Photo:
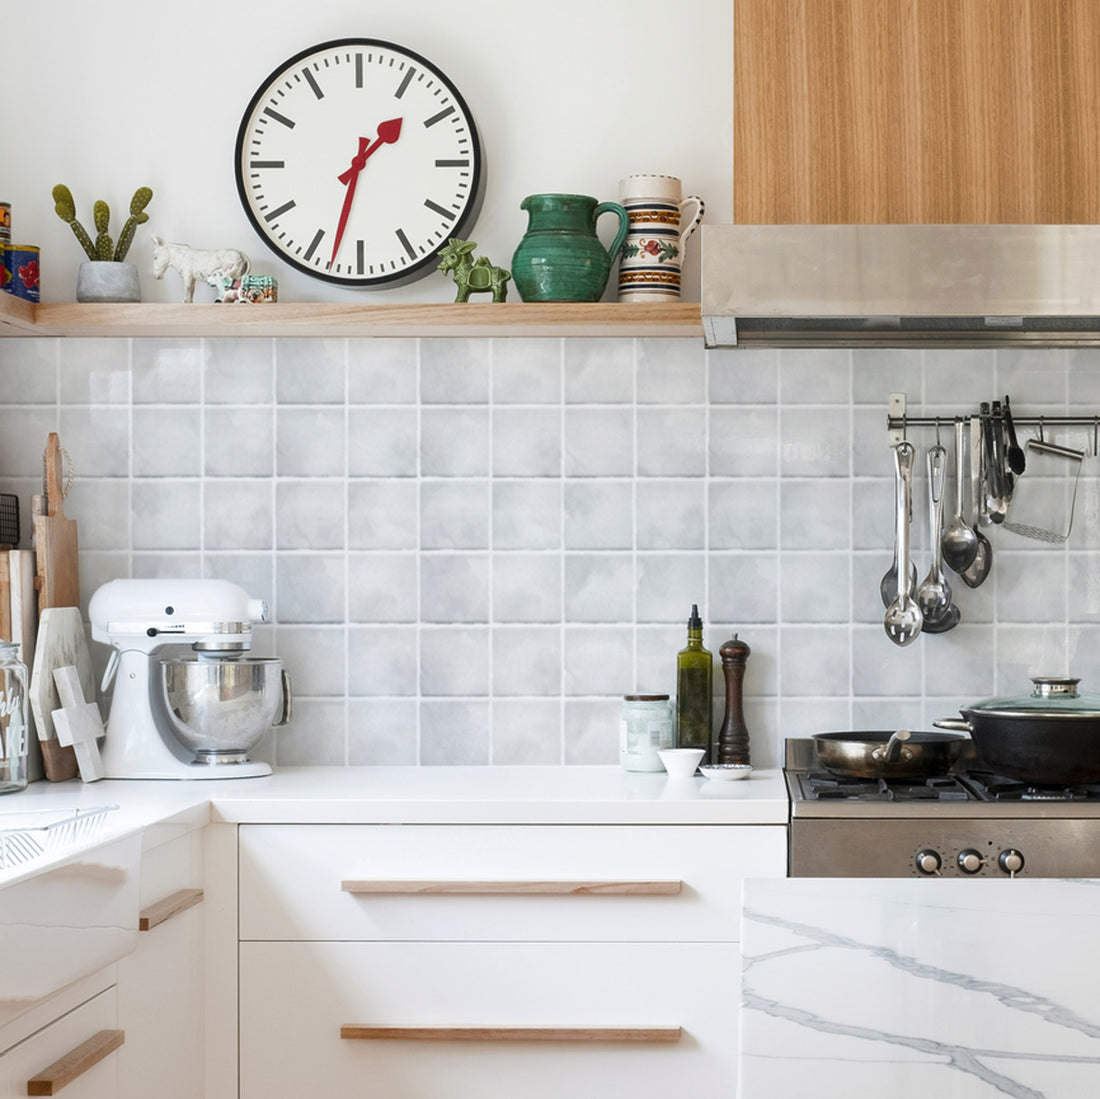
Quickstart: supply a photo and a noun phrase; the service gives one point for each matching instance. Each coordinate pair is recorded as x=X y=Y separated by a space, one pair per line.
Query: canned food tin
x=21 y=272
x=645 y=727
x=5 y=221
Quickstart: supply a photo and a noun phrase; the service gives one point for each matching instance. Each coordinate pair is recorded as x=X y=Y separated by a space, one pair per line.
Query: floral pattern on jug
x=660 y=223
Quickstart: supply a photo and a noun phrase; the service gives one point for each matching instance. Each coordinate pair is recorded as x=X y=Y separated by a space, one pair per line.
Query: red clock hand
x=388 y=133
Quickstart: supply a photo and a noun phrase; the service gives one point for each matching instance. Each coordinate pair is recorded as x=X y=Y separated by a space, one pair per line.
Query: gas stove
x=970 y=823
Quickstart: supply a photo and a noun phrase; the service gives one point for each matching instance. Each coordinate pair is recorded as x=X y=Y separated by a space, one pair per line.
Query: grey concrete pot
x=106 y=280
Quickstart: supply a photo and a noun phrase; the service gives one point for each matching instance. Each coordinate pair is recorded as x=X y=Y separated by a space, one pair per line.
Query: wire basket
x=49 y=832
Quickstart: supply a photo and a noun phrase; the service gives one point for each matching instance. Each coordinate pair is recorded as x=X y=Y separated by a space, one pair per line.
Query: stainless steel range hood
x=901 y=285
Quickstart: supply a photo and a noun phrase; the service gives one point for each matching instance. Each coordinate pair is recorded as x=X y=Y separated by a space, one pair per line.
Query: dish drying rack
x=49 y=832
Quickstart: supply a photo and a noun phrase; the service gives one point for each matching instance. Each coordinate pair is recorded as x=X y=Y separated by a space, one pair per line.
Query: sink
x=68 y=911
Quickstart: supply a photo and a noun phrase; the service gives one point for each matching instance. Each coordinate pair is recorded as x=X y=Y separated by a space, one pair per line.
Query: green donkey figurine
x=472 y=276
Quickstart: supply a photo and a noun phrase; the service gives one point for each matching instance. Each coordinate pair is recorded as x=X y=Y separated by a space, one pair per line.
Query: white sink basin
x=76 y=915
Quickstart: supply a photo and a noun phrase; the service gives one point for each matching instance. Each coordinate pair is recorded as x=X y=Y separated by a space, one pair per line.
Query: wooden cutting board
x=55 y=538
x=61 y=641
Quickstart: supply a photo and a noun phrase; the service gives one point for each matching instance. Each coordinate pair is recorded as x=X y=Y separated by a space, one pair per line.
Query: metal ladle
x=934 y=595
x=903 y=619
x=978 y=569
x=959 y=542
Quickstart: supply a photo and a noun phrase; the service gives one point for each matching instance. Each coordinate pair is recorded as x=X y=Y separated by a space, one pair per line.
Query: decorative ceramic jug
x=660 y=224
x=560 y=257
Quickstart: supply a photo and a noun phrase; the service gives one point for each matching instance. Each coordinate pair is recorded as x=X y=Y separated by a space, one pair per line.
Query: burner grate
x=821 y=785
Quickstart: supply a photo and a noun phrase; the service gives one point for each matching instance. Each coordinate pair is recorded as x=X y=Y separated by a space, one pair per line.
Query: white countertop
x=425 y=795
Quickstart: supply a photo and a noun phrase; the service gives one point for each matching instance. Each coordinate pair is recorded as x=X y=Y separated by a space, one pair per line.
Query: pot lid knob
x=1049 y=686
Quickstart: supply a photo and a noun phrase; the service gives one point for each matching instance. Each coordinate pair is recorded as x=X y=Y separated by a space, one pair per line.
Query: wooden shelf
x=504 y=319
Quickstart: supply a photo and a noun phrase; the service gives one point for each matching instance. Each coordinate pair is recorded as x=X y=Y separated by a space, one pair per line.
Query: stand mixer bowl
x=221 y=707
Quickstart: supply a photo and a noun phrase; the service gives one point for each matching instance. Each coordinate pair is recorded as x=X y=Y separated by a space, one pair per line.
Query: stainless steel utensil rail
x=898 y=421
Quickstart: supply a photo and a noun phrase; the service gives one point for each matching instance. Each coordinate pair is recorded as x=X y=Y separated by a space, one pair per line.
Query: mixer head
x=211 y=615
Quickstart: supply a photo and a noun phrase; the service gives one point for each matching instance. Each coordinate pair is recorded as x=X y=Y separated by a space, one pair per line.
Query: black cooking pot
x=1050 y=737
x=889 y=755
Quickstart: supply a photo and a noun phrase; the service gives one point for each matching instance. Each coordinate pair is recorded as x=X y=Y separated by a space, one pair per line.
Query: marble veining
x=965 y=989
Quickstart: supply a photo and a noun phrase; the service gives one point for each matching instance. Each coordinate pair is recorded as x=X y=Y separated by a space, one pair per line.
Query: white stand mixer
x=140 y=618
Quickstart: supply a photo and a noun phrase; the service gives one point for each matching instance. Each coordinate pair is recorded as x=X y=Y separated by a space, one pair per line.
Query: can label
x=5 y=221
x=21 y=271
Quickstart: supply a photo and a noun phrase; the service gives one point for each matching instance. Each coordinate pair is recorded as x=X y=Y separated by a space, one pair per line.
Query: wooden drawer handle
x=75 y=1063
x=517 y=888
x=168 y=907
x=512 y=1033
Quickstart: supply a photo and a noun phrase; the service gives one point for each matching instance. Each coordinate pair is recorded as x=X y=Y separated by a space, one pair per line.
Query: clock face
x=357 y=160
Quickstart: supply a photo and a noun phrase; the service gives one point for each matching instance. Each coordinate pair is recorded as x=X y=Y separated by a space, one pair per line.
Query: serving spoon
x=959 y=542
x=903 y=619
x=978 y=569
x=934 y=595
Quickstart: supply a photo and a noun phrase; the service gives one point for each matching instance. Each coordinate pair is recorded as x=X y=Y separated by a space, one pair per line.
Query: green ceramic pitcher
x=560 y=258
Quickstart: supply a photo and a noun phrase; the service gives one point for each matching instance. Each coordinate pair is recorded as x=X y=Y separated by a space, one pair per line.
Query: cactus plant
x=138 y=216
x=103 y=247
x=65 y=209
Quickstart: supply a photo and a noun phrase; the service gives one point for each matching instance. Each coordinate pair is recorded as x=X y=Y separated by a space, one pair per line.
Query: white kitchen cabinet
x=160 y=985
x=78 y=1052
x=543 y=935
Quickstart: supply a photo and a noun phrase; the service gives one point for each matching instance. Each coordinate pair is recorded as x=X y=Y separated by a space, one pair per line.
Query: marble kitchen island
x=960 y=989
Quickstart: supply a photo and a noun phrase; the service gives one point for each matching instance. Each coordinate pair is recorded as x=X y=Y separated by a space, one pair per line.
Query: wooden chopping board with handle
x=55 y=538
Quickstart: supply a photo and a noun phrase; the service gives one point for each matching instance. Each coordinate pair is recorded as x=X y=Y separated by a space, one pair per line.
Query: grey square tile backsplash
x=474 y=547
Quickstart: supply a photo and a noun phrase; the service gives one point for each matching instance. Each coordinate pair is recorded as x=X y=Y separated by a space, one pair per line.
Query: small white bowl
x=725 y=772
x=680 y=762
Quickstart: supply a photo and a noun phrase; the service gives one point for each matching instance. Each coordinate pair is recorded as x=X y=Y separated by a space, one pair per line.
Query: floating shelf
x=503 y=319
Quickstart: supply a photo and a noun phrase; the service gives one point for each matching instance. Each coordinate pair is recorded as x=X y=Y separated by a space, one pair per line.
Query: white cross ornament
x=78 y=723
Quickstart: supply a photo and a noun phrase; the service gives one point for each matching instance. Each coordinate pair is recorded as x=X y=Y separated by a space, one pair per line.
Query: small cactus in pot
x=103 y=248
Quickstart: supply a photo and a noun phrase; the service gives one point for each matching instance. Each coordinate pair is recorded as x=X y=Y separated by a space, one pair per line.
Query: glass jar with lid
x=13 y=719
x=645 y=727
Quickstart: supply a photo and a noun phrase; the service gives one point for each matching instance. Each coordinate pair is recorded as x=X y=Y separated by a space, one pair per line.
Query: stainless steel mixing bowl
x=221 y=707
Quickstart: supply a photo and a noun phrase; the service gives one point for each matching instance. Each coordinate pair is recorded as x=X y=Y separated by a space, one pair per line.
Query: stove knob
x=928 y=862
x=970 y=862
x=1011 y=861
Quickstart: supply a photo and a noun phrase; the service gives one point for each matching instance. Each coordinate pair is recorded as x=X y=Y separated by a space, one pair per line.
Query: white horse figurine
x=196 y=264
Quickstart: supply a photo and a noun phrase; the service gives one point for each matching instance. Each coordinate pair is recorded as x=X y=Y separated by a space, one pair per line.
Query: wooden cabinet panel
x=908 y=111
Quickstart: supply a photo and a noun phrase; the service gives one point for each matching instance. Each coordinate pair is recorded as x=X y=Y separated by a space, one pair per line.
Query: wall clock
x=356 y=161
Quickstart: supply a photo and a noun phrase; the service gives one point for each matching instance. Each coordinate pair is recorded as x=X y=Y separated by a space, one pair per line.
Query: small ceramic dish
x=680 y=762
x=725 y=772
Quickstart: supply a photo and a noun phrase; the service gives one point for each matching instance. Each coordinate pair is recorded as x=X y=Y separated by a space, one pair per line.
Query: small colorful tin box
x=21 y=272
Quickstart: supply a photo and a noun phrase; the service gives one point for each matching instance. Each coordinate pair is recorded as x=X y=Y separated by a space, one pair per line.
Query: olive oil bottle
x=694 y=684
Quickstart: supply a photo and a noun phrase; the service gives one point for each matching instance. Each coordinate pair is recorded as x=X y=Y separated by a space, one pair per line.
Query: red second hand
x=388 y=133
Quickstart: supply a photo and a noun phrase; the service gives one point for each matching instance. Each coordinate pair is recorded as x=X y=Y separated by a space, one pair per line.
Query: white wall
x=569 y=96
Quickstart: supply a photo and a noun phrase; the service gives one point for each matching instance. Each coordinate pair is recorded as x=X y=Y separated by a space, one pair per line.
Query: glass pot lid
x=1051 y=695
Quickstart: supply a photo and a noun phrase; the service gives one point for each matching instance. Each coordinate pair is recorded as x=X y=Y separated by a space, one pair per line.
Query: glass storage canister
x=13 y=719
x=645 y=727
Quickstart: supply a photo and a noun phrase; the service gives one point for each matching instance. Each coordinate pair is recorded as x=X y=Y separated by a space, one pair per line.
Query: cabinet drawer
x=501 y=883
x=296 y=998
x=97 y=1079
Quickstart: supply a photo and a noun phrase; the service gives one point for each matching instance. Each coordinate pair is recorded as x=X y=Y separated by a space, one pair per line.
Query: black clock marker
x=281 y=210
x=313 y=84
x=463 y=163
x=405 y=243
x=441 y=210
x=446 y=112
x=313 y=244
x=407 y=79
x=359 y=257
x=271 y=113
x=358 y=70
x=267 y=164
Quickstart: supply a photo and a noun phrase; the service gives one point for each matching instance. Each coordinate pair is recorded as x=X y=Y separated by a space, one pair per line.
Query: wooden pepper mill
x=733 y=736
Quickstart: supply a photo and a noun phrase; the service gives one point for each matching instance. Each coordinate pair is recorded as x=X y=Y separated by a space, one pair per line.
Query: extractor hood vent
x=901 y=285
